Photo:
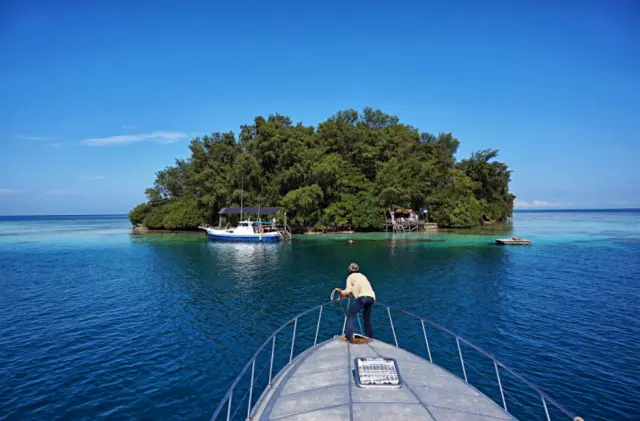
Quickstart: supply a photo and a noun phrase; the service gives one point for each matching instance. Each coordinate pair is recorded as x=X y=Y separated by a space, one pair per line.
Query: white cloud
x=129 y=127
x=59 y=192
x=537 y=204
x=10 y=191
x=156 y=136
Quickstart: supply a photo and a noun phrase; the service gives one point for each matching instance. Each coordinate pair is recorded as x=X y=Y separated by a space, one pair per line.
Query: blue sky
x=96 y=99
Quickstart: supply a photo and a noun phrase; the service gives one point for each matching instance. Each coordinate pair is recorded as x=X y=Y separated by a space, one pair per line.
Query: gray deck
x=319 y=386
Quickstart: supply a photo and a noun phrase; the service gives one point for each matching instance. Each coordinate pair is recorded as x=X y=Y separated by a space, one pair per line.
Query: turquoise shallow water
x=98 y=323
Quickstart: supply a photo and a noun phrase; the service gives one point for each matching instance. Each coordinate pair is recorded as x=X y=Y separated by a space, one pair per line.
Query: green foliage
x=455 y=204
x=346 y=173
x=155 y=217
x=137 y=214
x=463 y=212
x=152 y=194
x=182 y=214
x=492 y=186
x=353 y=211
x=303 y=202
x=367 y=215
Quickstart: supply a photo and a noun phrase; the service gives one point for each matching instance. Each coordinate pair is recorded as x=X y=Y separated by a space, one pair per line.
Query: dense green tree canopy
x=346 y=173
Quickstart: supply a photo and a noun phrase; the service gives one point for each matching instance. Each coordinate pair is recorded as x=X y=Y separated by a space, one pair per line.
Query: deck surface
x=320 y=386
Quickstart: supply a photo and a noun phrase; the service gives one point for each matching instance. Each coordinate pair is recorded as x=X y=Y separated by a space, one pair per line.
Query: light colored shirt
x=358 y=285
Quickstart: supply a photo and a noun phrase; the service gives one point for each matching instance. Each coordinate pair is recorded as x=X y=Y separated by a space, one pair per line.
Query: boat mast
x=241 y=193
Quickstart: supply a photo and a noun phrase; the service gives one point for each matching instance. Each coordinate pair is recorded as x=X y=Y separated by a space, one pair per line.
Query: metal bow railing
x=227 y=399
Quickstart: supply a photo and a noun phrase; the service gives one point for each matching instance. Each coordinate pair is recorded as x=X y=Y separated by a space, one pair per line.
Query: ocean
x=97 y=323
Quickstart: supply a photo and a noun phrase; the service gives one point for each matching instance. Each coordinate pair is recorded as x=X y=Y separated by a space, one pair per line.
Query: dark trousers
x=352 y=313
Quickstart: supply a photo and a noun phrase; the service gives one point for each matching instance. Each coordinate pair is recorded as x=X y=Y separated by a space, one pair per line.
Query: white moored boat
x=245 y=231
x=334 y=380
x=248 y=230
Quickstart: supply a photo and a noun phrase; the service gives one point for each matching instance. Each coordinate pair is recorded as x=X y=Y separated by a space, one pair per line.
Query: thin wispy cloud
x=61 y=192
x=538 y=204
x=129 y=127
x=55 y=145
x=4 y=191
x=156 y=136
x=36 y=138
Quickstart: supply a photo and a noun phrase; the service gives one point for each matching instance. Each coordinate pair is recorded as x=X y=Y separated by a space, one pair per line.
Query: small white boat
x=245 y=231
x=513 y=241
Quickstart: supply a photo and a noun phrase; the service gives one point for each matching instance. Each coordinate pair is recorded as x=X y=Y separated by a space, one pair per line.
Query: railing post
x=229 y=407
x=344 y=325
x=392 y=328
x=464 y=371
x=546 y=411
x=273 y=351
x=426 y=341
x=293 y=339
x=315 y=341
x=253 y=369
x=504 y=402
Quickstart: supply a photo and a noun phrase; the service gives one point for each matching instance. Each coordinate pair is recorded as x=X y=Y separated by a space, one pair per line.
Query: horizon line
x=515 y=210
x=573 y=209
x=66 y=214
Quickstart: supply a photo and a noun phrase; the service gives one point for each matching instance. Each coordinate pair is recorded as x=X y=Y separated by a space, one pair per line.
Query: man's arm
x=348 y=290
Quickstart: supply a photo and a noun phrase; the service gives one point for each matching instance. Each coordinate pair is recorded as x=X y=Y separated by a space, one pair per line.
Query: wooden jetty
x=513 y=241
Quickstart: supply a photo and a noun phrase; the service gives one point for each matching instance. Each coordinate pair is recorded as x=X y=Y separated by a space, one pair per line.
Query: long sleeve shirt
x=358 y=285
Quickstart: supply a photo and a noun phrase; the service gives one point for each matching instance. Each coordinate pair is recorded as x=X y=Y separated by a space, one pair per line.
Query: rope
x=332 y=296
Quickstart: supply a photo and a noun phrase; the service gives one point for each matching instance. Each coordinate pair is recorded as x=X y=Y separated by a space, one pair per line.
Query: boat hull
x=246 y=238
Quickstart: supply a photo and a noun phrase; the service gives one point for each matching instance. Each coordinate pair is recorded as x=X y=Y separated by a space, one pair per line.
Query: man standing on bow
x=359 y=287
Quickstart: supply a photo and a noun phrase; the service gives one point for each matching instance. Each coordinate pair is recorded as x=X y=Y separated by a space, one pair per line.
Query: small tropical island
x=345 y=174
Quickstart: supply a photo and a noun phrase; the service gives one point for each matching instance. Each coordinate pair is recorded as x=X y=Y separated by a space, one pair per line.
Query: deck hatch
x=377 y=373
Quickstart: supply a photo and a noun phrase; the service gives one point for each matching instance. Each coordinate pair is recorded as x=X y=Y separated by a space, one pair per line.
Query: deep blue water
x=98 y=323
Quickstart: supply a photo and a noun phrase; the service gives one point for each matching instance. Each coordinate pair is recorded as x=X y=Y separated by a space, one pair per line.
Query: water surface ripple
x=96 y=323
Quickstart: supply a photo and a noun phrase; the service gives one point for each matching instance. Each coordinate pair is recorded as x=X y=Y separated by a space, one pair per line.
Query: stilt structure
x=403 y=224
